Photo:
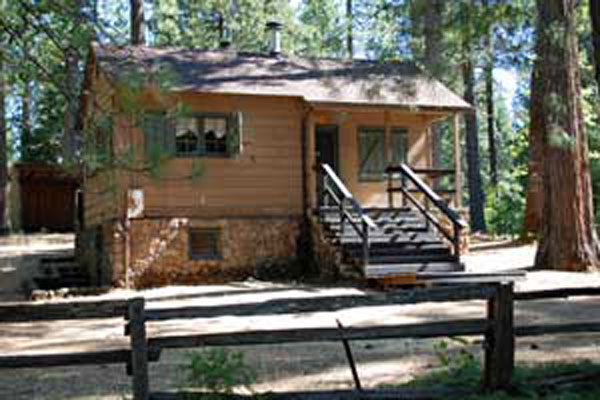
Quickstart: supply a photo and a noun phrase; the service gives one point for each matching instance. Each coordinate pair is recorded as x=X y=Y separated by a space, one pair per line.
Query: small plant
x=218 y=371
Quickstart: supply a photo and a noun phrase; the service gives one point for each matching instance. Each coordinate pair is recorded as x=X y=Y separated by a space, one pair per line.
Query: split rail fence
x=497 y=328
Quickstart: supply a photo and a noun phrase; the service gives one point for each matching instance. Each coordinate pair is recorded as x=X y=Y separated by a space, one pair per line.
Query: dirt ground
x=287 y=367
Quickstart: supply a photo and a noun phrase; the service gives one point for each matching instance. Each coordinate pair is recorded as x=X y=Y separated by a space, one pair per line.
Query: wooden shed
x=46 y=198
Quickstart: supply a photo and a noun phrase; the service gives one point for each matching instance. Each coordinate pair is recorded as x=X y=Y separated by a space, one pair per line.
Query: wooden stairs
x=395 y=245
x=403 y=248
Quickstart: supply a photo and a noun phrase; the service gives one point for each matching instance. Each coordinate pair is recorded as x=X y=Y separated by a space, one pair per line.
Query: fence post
x=500 y=340
x=139 y=349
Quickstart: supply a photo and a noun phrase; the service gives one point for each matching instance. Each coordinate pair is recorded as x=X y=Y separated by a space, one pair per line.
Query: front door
x=326 y=150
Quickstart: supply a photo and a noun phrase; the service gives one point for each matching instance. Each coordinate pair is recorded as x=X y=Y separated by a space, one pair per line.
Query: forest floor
x=290 y=366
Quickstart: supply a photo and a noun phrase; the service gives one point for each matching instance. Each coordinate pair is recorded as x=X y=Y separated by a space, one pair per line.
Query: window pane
x=186 y=136
x=399 y=143
x=215 y=135
x=371 y=153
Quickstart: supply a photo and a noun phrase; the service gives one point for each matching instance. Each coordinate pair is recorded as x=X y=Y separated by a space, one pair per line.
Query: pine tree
x=568 y=239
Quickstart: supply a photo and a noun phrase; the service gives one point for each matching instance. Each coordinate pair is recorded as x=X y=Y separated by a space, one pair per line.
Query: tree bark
x=3 y=149
x=71 y=135
x=433 y=60
x=568 y=239
x=476 y=195
x=26 y=121
x=489 y=100
x=595 y=19
x=534 y=201
x=70 y=119
x=137 y=22
x=350 y=29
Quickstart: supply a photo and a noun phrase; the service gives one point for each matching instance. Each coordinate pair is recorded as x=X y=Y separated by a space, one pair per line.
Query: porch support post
x=457 y=161
x=387 y=137
x=311 y=160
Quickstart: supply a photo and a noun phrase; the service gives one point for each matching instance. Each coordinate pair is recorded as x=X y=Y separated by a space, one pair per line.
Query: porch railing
x=333 y=190
x=405 y=173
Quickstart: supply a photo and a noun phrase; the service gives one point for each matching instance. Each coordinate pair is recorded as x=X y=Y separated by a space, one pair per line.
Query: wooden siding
x=103 y=198
x=265 y=179
x=371 y=193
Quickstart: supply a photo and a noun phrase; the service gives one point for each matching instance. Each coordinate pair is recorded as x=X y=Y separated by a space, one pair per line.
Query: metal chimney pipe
x=274 y=29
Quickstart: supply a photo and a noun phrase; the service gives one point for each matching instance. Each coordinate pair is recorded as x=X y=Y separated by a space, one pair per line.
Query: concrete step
x=388 y=270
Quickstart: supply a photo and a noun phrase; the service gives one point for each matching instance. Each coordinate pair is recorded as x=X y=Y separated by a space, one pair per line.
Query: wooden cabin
x=225 y=156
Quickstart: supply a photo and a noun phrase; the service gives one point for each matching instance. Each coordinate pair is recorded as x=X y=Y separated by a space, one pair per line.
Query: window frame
x=388 y=155
x=216 y=256
x=200 y=118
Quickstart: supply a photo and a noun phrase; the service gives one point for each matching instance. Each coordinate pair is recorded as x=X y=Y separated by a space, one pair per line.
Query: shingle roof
x=315 y=80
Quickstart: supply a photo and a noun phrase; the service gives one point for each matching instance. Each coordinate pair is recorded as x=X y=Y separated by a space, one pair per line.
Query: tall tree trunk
x=70 y=119
x=535 y=191
x=350 y=29
x=489 y=101
x=434 y=47
x=595 y=18
x=568 y=240
x=3 y=149
x=137 y=21
x=71 y=137
x=476 y=195
x=26 y=133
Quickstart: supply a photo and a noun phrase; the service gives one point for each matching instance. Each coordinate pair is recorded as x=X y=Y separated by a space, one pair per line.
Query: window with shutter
x=194 y=135
x=371 y=153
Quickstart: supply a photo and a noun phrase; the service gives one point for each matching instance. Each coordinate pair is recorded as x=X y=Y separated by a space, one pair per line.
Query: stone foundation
x=159 y=250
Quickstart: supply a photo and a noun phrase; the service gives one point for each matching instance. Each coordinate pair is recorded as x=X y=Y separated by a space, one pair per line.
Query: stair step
x=386 y=270
x=58 y=259
x=412 y=238
x=401 y=250
x=410 y=258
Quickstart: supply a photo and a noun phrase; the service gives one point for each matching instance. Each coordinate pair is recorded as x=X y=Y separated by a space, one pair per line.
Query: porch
x=382 y=214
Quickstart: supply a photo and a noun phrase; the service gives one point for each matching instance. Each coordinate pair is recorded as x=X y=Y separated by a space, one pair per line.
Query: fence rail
x=497 y=328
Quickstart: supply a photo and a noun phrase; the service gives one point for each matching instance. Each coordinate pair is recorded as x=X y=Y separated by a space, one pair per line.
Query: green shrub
x=218 y=371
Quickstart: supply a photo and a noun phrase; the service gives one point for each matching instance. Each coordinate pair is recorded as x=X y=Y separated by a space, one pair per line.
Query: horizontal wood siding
x=103 y=198
x=265 y=179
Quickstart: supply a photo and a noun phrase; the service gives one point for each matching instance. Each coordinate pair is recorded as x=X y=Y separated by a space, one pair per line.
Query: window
x=205 y=244
x=216 y=135
x=371 y=153
x=202 y=135
x=399 y=143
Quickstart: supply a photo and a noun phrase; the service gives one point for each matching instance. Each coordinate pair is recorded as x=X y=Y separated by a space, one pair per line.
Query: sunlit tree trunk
x=535 y=192
x=434 y=47
x=137 y=21
x=568 y=240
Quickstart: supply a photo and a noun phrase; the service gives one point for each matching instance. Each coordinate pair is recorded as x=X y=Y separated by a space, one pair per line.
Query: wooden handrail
x=457 y=222
x=346 y=199
x=347 y=196
x=428 y=192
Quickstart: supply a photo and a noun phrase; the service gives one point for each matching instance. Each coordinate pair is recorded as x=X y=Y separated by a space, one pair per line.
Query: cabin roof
x=328 y=81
